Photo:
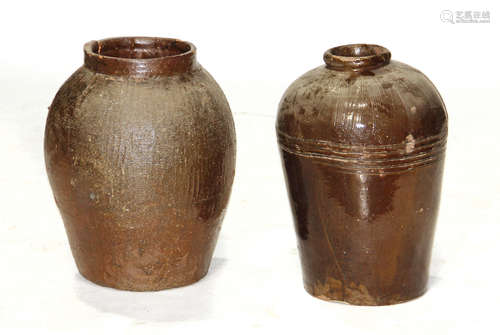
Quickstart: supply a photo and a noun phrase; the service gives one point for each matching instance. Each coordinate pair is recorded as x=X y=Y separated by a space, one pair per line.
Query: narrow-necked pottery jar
x=362 y=141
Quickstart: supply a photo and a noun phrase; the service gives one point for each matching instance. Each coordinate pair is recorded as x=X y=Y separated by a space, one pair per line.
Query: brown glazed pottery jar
x=140 y=154
x=362 y=140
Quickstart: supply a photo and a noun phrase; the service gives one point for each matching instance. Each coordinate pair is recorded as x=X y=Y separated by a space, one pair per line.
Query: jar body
x=363 y=155
x=141 y=170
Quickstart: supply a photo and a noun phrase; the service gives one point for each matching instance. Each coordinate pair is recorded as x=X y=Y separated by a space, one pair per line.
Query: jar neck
x=140 y=56
x=356 y=57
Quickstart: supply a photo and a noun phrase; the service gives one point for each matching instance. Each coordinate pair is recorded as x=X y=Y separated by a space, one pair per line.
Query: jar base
x=365 y=301
x=144 y=287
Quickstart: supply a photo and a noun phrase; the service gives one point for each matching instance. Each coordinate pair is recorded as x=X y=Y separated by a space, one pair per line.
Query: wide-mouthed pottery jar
x=362 y=141
x=140 y=154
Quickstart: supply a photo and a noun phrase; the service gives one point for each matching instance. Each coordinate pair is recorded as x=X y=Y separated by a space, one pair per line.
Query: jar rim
x=356 y=57
x=139 y=56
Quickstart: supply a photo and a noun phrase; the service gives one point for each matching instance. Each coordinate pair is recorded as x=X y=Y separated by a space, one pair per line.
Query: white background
x=254 y=50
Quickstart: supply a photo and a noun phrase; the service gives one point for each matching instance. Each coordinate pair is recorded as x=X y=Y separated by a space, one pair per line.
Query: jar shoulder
x=90 y=103
x=377 y=107
x=95 y=115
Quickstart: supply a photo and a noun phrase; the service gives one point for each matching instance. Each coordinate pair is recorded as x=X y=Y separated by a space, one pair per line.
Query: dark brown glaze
x=140 y=154
x=362 y=142
x=140 y=56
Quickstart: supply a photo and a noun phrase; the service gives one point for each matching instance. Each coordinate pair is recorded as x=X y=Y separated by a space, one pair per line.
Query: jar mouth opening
x=138 y=48
x=140 y=56
x=356 y=57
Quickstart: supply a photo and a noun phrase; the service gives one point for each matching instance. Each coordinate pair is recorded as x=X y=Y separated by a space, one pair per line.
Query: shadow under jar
x=140 y=153
x=362 y=142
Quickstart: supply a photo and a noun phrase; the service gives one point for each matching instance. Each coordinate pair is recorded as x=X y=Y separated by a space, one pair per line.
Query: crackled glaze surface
x=362 y=140
x=140 y=153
